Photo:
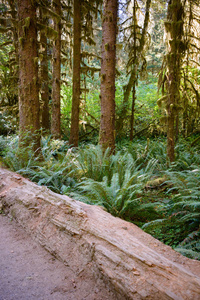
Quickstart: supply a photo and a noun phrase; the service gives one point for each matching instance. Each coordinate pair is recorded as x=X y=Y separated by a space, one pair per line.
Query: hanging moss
x=161 y=100
x=47 y=12
x=41 y=56
x=49 y=31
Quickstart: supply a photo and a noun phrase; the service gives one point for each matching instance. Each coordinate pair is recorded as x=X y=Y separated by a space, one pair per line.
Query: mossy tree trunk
x=134 y=72
x=74 y=132
x=44 y=77
x=56 y=72
x=28 y=75
x=13 y=13
x=174 y=28
x=109 y=32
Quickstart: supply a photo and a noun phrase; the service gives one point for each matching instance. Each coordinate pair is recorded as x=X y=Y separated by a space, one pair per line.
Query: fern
x=116 y=195
x=58 y=176
x=17 y=158
x=91 y=162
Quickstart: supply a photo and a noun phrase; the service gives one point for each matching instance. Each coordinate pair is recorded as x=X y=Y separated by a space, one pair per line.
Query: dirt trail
x=29 y=272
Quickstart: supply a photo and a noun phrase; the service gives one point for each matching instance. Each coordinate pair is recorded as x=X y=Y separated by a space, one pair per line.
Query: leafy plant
x=115 y=197
x=17 y=158
x=3 y=145
x=91 y=162
x=182 y=213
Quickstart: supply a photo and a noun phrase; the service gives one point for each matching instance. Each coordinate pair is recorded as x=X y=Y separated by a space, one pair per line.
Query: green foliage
x=55 y=170
x=3 y=145
x=113 y=181
x=180 y=227
x=116 y=197
x=146 y=112
x=66 y=102
x=17 y=158
x=91 y=162
x=8 y=120
x=121 y=183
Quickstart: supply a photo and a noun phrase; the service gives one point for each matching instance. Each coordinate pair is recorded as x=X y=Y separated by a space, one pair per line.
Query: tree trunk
x=44 y=78
x=15 y=33
x=91 y=242
x=132 y=111
x=174 y=26
x=109 y=32
x=28 y=75
x=74 y=132
x=134 y=73
x=55 y=118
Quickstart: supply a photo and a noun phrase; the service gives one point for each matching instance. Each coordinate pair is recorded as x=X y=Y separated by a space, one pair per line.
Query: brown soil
x=29 y=272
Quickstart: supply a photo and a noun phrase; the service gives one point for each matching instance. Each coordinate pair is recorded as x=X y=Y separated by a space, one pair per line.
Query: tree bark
x=133 y=73
x=109 y=32
x=174 y=26
x=132 y=264
x=74 y=132
x=28 y=75
x=132 y=111
x=44 y=77
x=56 y=70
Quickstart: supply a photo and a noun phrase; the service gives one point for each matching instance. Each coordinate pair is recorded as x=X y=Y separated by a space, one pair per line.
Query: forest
x=100 y=101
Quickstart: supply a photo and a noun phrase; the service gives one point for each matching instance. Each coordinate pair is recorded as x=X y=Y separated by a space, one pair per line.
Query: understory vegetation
x=137 y=183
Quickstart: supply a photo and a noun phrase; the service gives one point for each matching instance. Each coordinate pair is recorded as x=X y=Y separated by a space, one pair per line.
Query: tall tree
x=44 y=76
x=28 y=74
x=56 y=72
x=74 y=132
x=175 y=51
x=109 y=33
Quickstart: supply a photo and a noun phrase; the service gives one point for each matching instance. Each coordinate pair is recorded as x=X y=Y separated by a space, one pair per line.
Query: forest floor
x=29 y=272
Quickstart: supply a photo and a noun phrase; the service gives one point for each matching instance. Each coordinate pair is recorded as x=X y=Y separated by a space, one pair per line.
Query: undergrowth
x=137 y=183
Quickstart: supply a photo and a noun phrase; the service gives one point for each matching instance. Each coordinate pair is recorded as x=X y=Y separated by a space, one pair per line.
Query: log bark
x=132 y=263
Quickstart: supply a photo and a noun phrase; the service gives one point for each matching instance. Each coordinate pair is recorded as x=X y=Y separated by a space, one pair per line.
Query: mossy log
x=131 y=263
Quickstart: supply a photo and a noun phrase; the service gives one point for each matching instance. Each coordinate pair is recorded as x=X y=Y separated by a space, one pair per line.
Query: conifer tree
x=28 y=75
x=74 y=133
x=44 y=76
x=56 y=71
x=108 y=63
x=174 y=27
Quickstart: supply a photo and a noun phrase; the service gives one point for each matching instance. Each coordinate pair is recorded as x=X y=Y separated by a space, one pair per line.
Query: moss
x=106 y=47
x=34 y=80
x=36 y=60
x=27 y=22
x=21 y=41
x=41 y=56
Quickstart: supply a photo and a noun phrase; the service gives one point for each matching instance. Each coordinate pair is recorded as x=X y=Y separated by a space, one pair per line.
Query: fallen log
x=132 y=263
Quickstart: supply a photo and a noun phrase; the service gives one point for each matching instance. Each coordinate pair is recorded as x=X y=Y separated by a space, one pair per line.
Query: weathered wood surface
x=131 y=262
